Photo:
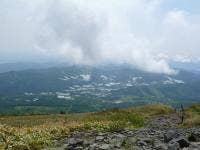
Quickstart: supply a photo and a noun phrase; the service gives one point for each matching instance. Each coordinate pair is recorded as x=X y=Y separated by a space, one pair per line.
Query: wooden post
x=182 y=114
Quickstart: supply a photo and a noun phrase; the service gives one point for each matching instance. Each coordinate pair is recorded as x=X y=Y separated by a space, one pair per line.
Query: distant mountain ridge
x=20 y=66
x=83 y=88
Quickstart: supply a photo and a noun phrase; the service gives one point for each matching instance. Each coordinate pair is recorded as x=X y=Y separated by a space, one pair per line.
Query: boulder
x=173 y=146
x=183 y=142
x=93 y=146
x=88 y=142
x=194 y=146
x=194 y=137
x=73 y=141
x=104 y=147
x=171 y=134
x=141 y=143
x=120 y=136
x=160 y=146
x=78 y=148
x=99 y=138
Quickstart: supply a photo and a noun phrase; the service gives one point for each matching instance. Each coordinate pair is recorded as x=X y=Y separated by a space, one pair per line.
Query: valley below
x=78 y=89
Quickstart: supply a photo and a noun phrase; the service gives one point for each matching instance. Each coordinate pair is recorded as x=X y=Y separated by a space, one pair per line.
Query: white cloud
x=176 y=18
x=183 y=59
x=138 y=32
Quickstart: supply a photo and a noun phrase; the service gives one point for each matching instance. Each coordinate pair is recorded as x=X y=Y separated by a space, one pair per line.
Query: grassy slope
x=36 y=132
x=192 y=116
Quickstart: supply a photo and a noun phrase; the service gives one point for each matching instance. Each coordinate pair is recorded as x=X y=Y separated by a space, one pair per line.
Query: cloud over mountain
x=138 y=32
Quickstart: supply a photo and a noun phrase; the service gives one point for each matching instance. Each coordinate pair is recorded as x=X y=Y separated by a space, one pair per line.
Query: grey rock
x=160 y=146
x=117 y=145
x=93 y=146
x=194 y=146
x=101 y=134
x=99 y=138
x=73 y=141
x=141 y=143
x=130 y=141
x=69 y=148
x=114 y=141
x=148 y=140
x=183 y=142
x=78 y=148
x=120 y=136
x=173 y=146
x=88 y=142
x=171 y=134
x=104 y=147
x=194 y=137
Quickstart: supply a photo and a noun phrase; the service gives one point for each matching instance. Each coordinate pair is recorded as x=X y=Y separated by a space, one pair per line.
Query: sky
x=147 y=34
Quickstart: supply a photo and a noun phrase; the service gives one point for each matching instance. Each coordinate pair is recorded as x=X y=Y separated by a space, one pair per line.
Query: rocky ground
x=161 y=133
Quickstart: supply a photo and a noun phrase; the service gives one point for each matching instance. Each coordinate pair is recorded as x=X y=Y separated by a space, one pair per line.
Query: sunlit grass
x=192 y=116
x=152 y=110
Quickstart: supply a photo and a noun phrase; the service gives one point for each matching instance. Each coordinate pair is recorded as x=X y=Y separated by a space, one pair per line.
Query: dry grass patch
x=192 y=116
x=152 y=110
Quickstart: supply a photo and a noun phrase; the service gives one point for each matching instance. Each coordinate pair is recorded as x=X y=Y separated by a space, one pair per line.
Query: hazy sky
x=144 y=33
